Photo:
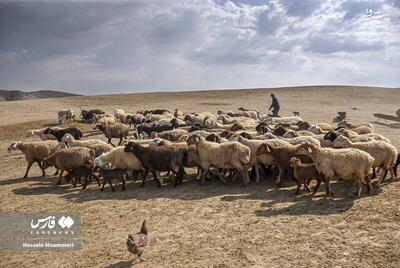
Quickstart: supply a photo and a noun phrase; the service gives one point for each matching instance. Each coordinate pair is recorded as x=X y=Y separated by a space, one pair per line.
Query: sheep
x=158 y=158
x=303 y=173
x=350 y=164
x=277 y=120
x=301 y=139
x=109 y=174
x=40 y=134
x=171 y=135
x=99 y=146
x=256 y=158
x=135 y=119
x=384 y=154
x=291 y=133
x=194 y=119
x=118 y=158
x=64 y=116
x=281 y=155
x=118 y=130
x=360 y=129
x=354 y=137
x=88 y=116
x=157 y=117
x=229 y=155
x=155 y=111
x=69 y=158
x=119 y=115
x=149 y=128
x=105 y=119
x=59 y=133
x=253 y=113
x=34 y=152
x=76 y=174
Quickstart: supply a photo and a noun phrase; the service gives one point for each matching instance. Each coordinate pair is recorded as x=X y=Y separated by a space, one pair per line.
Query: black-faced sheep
x=158 y=158
x=59 y=133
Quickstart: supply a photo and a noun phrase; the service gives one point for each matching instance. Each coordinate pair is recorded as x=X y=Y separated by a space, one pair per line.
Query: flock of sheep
x=226 y=145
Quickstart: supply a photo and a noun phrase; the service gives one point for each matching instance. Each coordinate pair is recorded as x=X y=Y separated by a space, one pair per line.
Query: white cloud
x=152 y=45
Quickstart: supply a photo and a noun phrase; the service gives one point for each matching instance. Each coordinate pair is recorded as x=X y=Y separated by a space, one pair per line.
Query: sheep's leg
x=120 y=141
x=123 y=182
x=156 y=178
x=328 y=188
x=257 y=172
x=374 y=173
x=55 y=173
x=110 y=182
x=144 y=177
x=220 y=176
x=368 y=182
x=203 y=175
x=298 y=182
x=317 y=186
x=199 y=172
x=306 y=185
x=391 y=170
x=104 y=183
x=281 y=174
x=381 y=178
x=40 y=166
x=60 y=177
x=359 y=188
x=27 y=170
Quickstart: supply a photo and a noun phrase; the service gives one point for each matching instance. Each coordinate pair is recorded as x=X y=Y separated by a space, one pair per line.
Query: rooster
x=137 y=242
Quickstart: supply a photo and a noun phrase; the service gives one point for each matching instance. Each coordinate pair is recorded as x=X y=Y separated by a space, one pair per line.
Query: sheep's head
x=237 y=126
x=46 y=163
x=294 y=161
x=305 y=148
x=303 y=125
x=99 y=127
x=246 y=135
x=331 y=136
x=213 y=137
x=14 y=146
x=290 y=134
x=279 y=131
x=341 y=142
x=131 y=147
x=264 y=149
x=193 y=139
x=67 y=137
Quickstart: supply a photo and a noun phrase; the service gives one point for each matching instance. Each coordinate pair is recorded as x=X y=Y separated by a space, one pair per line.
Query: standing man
x=274 y=106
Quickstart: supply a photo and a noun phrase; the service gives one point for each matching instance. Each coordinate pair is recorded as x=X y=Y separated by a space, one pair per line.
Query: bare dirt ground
x=213 y=225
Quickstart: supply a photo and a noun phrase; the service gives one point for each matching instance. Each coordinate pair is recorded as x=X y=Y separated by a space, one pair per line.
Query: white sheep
x=35 y=152
x=229 y=155
x=99 y=146
x=40 y=134
x=384 y=154
x=349 y=164
x=117 y=158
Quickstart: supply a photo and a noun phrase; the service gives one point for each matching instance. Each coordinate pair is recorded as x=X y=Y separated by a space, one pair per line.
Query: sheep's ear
x=309 y=149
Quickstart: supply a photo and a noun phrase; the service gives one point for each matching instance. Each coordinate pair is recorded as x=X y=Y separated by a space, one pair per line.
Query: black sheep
x=154 y=127
x=159 y=158
x=59 y=133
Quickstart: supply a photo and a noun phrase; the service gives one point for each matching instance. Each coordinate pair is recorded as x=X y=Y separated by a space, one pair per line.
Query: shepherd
x=274 y=106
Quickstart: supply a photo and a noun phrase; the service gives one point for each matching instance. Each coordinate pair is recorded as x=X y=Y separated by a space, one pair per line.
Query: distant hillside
x=14 y=95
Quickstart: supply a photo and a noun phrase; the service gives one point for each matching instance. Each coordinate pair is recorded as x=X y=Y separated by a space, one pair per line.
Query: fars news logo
x=52 y=225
